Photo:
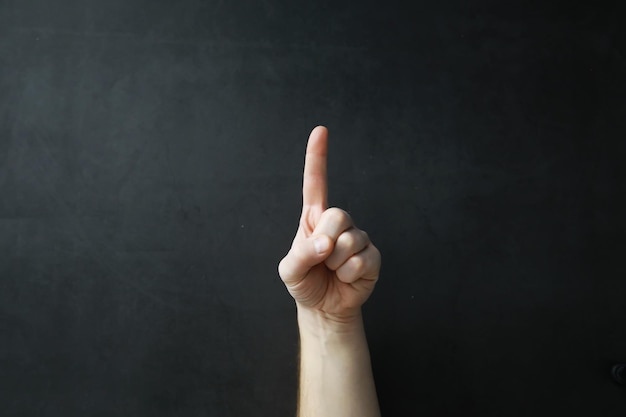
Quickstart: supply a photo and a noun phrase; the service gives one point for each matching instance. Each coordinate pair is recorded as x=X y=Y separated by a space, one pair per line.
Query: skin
x=330 y=271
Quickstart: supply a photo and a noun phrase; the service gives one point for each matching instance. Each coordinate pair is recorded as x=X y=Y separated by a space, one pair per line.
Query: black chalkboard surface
x=150 y=164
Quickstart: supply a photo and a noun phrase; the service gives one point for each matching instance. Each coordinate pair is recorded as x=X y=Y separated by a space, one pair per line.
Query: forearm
x=335 y=369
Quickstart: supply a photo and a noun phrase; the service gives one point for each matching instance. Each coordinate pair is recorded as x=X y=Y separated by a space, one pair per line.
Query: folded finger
x=365 y=265
x=332 y=223
x=349 y=243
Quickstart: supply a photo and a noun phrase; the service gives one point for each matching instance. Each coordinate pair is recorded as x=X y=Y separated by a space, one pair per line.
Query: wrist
x=317 y=323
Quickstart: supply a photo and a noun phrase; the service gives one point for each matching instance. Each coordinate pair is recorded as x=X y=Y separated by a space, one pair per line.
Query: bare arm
x=335 y=369
x=330 y=271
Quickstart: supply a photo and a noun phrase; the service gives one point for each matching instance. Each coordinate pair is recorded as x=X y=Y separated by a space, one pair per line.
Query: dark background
x=150 y=168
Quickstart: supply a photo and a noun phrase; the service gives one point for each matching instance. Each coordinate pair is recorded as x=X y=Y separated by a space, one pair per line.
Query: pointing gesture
x=332 y=267
x=314 y=185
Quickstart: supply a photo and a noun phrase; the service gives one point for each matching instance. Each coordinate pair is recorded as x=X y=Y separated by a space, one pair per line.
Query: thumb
x=303 y=256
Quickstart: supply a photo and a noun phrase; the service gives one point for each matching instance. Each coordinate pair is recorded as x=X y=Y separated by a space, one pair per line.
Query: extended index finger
x=314 y=184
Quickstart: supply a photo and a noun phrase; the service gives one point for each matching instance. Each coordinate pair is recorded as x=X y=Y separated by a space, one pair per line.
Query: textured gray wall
x=150 y=164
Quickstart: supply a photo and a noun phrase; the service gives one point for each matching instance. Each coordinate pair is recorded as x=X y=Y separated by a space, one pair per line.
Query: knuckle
x=337 y=215
x=358 y=263
x=376 y=256
x=375 y=266
x=346 y=239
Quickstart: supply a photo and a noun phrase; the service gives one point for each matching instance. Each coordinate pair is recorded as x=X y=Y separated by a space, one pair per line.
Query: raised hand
x=332 y=267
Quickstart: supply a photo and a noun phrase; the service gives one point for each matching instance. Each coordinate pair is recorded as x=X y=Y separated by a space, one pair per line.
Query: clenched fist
x=332 y=267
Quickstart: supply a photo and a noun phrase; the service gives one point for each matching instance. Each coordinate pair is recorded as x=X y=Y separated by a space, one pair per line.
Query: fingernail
x=321 y=245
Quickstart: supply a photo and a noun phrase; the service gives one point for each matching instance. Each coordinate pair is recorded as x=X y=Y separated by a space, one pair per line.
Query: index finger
x=314 y=183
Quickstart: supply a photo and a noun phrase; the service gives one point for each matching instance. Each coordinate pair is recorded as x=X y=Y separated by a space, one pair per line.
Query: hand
x=332 y=267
